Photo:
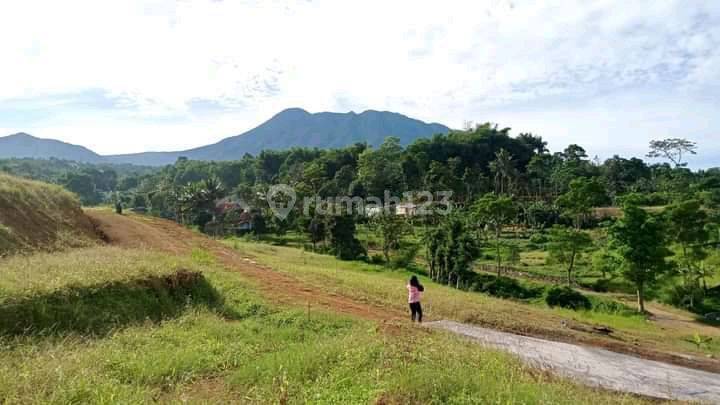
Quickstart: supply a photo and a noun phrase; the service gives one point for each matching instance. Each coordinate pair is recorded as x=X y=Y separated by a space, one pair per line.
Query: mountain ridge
x=292 y=127
x=24 y=145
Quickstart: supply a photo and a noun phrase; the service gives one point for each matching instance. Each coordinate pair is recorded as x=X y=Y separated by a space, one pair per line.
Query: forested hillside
x=92 y=183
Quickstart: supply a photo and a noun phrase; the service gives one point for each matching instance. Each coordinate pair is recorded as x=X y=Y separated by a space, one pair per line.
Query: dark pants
x=416 y=311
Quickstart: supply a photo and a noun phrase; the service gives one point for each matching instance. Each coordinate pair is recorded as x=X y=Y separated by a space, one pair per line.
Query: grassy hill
x=110 y=325
x=40 y=216
x=191 y=323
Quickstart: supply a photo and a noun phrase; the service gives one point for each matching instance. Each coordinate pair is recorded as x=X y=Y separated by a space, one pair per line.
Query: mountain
x=289 y=128
x=297 y=127
x=22 y=145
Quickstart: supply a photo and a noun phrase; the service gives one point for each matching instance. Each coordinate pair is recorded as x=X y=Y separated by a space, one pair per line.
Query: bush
x=405 y=257
x=601 y=285
x=682 y=296
x=504 y=287
x=377 y=258
x=566 y=297
x=538 y=239
x=611 y=307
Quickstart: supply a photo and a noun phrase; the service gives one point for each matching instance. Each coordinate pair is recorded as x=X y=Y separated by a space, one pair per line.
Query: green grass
x=237 y=347
x=47 y=272
x=385 y=288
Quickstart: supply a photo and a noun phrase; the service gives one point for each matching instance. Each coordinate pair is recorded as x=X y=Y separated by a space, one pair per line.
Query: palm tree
x=197 y=197
x=504 y=170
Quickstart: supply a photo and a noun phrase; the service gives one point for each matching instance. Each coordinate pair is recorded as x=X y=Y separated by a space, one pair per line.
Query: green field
x=216 y=340
x=378 y=285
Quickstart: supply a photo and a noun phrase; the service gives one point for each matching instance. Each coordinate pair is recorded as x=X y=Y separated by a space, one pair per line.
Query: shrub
x=405 y=257
x=601 y=285
x=611 y=307
x=538 y=238
x=682 y=296
x=566 y=297
x=504 y=287
x=377 y=258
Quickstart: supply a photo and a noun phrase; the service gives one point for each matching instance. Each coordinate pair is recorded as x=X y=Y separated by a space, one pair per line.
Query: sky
x=131 y=76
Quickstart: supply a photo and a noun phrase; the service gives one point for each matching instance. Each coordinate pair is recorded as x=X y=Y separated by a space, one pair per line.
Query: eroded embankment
x=100 y=308
x=36 y=216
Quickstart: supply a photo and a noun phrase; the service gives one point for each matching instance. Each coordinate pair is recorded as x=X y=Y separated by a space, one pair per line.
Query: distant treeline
x=470 y=163
x=93 y=183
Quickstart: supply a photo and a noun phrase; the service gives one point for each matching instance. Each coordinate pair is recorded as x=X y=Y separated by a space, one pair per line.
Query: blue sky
x=132 y=76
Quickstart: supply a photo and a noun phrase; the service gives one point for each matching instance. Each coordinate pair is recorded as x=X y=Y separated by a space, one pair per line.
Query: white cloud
x=438 y=61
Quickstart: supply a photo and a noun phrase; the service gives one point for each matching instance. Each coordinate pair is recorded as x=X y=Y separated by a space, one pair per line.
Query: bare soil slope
x=39 y=216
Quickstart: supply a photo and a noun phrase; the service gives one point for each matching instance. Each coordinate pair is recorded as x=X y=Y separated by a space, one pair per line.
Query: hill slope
x=22 y=145
x=296 y=127
x=40 y=216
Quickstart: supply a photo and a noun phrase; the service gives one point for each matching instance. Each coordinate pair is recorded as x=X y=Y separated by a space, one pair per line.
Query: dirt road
x=144 y=232
x=598 y=367
x=593 y=366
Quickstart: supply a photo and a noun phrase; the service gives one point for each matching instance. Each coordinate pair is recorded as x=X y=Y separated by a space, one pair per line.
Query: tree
x=313 y=175
x=342 y=238
x=82 y=184
x=687 y=220
x=540 y=170
x=640 y=240
x=316 y=229
x=623 y=175
x=259 y=225
x=539 y=215
x=513 y=254
x=605 y=262
x=381 y=169
x=565 y=247
x=672 y=149
x=391 y=227
x=504 y=170
x=572 y=163
x=535 y=143
x=577 y=203
x=196 y=201
x=495 y=212
x=451 y=250
x=440 y=178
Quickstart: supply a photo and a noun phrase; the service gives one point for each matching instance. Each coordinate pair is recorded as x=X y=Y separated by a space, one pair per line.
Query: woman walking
x=414 y=291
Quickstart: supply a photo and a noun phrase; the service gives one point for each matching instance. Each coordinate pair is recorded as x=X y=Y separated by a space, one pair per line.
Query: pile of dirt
x=36 y=216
